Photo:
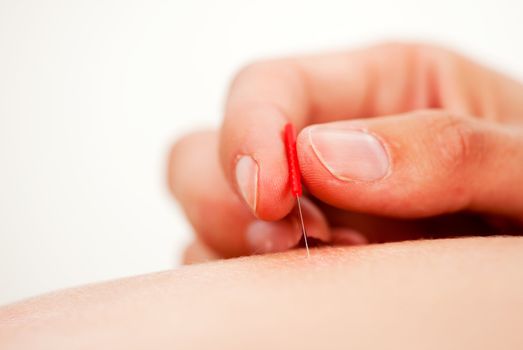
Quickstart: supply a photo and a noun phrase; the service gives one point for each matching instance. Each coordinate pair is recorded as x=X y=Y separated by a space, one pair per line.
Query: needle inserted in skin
x=303 y=227
x=294 y=175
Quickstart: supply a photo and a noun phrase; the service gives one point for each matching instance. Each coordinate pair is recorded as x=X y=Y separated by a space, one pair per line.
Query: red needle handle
x=292 y=159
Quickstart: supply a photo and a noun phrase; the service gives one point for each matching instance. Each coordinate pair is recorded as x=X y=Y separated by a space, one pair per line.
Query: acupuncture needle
x=295 y=175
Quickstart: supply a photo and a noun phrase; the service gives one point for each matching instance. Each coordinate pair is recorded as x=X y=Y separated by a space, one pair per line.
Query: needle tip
x=303 y=227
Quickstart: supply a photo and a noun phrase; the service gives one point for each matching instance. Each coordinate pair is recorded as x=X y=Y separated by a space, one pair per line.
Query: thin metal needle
x=303 y=227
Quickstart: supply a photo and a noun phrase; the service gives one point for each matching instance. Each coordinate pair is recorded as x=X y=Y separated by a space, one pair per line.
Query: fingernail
x=350 y=154
x=270 y=237
x=247 y=180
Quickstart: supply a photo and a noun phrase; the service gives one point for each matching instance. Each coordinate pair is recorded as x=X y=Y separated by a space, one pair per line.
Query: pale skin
x=452 y=166
x=439 y=294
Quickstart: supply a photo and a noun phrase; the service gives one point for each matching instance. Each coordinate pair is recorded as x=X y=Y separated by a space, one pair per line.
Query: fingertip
x=347 y=236
x=277 y=236
x=272 y=236
x=315 y=176
x=253 y=158
x=315 y=222
x=347 y=165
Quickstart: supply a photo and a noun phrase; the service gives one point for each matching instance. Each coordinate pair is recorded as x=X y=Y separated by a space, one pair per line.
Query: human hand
x=397 y=141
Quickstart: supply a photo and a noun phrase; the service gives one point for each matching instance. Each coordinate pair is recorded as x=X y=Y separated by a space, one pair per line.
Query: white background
x=93 y=93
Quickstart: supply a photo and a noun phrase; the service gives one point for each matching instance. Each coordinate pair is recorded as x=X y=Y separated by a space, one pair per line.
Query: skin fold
x=433 y=294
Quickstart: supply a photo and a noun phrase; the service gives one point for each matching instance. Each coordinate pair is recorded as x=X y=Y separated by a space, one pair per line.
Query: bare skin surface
x=442 y=294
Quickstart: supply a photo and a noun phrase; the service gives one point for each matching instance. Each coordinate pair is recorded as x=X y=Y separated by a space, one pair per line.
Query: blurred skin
x=397 y=142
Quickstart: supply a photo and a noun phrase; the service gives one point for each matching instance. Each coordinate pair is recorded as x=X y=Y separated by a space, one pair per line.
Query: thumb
x=414 y=165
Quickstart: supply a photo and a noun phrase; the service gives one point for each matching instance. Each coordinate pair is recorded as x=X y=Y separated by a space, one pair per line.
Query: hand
x=397 y=142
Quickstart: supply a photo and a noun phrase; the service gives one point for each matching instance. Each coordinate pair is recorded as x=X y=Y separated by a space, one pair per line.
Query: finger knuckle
x=416 y=49
x=446 y=61
x=457 y=142
x=420 y=54
x=255 y=69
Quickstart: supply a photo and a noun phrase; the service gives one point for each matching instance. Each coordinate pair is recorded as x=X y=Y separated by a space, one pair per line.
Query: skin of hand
x=396 y=142
x=461 y=293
